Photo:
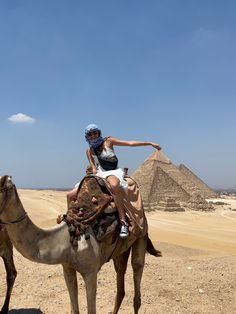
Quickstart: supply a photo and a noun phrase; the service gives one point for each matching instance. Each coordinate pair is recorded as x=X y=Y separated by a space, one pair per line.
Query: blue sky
x=161 y=71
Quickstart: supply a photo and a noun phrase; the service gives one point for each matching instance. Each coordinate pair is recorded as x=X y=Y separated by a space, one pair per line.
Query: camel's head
x=8 y=197
x=5 y=182
x=6 y=187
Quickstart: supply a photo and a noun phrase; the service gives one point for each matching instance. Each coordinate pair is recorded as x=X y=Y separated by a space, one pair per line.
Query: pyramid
x=170 y=205
x=197 y=203
x=159 y=179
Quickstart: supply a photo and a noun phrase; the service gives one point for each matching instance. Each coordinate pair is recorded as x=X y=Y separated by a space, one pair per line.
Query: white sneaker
x=124 y=230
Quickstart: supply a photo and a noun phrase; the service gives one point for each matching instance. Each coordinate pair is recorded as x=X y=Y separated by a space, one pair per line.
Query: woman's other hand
x=94 y=169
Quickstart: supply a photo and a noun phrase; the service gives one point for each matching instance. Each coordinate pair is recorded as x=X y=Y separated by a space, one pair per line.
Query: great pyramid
x=159 y=179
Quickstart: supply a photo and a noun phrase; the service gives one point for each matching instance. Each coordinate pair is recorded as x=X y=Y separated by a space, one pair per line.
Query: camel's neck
x=44 y=246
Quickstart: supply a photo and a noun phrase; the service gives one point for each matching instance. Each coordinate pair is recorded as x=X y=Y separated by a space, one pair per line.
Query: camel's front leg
x=72 y=286
x=90 y=280
x=137 y=261
x=11 y=276
x=120 y=263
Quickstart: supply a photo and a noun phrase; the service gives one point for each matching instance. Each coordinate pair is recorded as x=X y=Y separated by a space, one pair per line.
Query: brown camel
x=53 y=247
x=7 y=255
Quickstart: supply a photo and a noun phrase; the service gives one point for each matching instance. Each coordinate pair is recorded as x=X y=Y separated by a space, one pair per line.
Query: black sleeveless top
x=106 y=158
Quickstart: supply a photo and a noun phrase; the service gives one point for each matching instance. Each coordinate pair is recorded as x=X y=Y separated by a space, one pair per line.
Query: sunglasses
x=93 y=133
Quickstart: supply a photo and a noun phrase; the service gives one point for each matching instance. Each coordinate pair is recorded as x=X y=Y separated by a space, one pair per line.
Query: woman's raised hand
x=157 y=146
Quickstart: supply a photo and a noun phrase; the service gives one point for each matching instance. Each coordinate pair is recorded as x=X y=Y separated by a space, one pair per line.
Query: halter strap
x=14 y=221
x=7 y=189
x=4 y=202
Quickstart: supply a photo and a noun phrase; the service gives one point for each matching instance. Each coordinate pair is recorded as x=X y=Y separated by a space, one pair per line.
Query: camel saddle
x=93 y=197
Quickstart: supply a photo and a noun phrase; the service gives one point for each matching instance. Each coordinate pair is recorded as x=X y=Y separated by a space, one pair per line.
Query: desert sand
x=197 y=273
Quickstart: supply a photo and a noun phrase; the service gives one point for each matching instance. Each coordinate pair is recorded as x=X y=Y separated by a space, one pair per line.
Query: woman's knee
x=68 y=196
x=114 y=183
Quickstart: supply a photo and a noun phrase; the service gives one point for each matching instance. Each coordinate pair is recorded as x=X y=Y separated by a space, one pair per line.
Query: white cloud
x=21 y=118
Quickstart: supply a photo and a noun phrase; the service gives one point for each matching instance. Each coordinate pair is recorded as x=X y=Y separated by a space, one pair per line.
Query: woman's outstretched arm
x=112 y=141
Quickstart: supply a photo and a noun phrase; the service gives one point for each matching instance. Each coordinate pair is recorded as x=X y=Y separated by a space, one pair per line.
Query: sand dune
x=197 y=273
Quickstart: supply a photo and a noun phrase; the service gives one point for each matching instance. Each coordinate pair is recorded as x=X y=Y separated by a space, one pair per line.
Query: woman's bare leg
x=71 y=196
x=117 y=195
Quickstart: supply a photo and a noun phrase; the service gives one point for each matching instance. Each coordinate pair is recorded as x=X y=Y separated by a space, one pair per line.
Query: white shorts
x=118 y=173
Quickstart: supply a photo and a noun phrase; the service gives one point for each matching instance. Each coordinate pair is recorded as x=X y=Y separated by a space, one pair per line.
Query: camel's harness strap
x=7 y=189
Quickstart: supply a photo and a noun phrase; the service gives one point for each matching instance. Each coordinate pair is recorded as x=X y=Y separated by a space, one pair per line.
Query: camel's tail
x=151 y=249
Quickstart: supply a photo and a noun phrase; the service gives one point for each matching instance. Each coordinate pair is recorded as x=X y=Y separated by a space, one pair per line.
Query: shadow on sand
x=26 y=311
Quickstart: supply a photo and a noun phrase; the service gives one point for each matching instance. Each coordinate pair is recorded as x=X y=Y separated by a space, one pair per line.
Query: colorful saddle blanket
x=93 y=197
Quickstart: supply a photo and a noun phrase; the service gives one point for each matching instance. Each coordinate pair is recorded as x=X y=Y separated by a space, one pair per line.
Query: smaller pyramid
x=170 y=205
x=198 y=203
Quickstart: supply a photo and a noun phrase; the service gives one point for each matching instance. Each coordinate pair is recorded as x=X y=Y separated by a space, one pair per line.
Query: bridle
x=4 y=203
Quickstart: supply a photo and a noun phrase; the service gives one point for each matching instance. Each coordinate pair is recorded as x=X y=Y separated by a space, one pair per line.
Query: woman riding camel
x=104 y=164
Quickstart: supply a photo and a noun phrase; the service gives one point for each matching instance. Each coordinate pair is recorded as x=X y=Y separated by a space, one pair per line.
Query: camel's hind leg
x=11 y=276
x=120 y=263
x=72 y=286
x=137 y=261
